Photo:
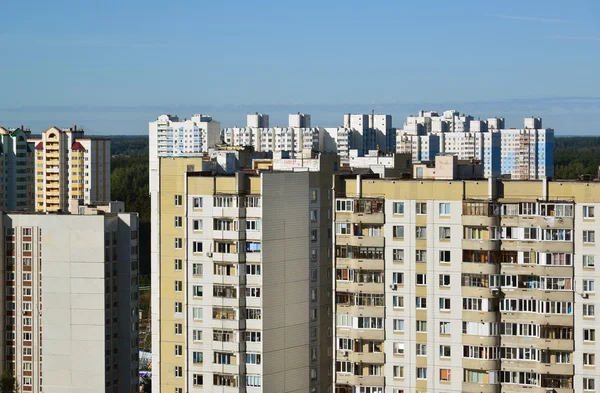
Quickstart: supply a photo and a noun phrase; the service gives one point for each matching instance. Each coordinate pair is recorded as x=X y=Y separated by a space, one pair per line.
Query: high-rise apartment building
x=522 y=154
x=241 y=285
x=80 y=334
x=16 y=169
x=465 y=286
x=69 y=166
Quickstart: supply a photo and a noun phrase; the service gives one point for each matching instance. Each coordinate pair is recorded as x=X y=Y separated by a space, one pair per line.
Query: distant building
x=70 y=166
x=521 y=154
x=16 y=169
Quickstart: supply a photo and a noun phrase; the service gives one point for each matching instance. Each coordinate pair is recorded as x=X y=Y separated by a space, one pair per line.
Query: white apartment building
x=465 y=286
x=81 y=333
x=16 y=169
x=523 y=154
x=241 y=281
x=360 y=132
x=70 y=166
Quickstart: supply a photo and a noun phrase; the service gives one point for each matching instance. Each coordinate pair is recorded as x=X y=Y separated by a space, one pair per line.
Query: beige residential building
x=241 y=277
x=70 y=166
x=465 y=286
x=80 y=335
x=16 y=169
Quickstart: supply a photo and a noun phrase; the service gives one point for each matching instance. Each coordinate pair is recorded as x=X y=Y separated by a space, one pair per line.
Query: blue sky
x=112 y=66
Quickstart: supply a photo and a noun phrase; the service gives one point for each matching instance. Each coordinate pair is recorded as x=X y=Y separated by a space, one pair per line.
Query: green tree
x=8 y=382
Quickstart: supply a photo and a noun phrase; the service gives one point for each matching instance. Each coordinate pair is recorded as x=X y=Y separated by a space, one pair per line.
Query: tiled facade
x=465 y=286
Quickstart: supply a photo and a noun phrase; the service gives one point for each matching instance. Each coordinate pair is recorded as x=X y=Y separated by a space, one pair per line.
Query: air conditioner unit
x=209 y=254
x=394 y=287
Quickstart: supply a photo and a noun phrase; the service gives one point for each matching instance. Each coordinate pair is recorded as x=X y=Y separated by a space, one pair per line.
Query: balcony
x=366 y=287
x=365 y=241
x=228 y=257
x=365 y=264
x=361 y=357
x=484 y=245
x=480 y=221
x=229 y=235
x=365 y=380
x=473 y=387
x=534 y=342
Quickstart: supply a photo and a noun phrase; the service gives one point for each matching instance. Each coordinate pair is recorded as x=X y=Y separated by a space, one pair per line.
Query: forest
x=574 y=156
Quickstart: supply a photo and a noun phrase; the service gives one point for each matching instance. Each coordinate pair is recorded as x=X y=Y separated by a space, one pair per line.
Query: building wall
x=88 y=308
x=456 y=276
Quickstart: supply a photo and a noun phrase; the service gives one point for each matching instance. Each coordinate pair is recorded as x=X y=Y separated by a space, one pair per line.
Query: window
x=398 y=255
x=398 y=207
x=253 y=358
x=530 y=234
x=314 y=196
x=588 y=212
x=421 y=326
x=178 y=350
x=178 y=372
x=444 y=375
x=421 y=208
x=399 y=370
x=421 y=373
x=27 y=381
x=196 y=247
x=253 y=313
x=421 y=256
x=421 y=303
x=589 y=310
x=421 y=279
x=178 y=264
x=253 y=225
x=589 y=236
x=444 y=327
x=444 y=209
x=197 y=335
x=421 y=349
x=178 y=286
x=197 y=202
x=198 y=379
x=398 y=231
x=314 y=235
x=421 y=232
x=178 y=328
x=444 y=256
x=178 y=243
x=589 y=335
x=344 y=205
x=398 y=325
x=398 y=301
x=398 y=278
x=197 y=290
x=178 y=307
x=444 y=233
x=197 y=269
x=314 y=216
x=588 y=261
x=444 y=280
x=445 y=351
x=589 y=286
x=27 y=246
x=197 y=313
x=398 y=348
x=444 y=304
x=178 y=200
x=589 y=359
x=589 y=384
x=197 y=357
x=197 y=225
x=178 y=222
x=252 y=292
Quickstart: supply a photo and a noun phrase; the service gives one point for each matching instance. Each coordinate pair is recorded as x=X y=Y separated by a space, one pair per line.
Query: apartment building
x=522 y=154
x=465 y=286
x=359 y=132
x=68 y=166
x=80 y=334
x=241 y=284
x=16 y=169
